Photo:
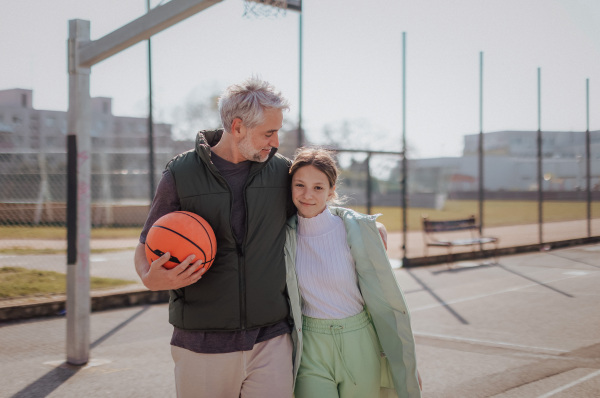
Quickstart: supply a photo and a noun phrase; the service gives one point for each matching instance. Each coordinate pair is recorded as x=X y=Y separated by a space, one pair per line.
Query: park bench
x=453 y=233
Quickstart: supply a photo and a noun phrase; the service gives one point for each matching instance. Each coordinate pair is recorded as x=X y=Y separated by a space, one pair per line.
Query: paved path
x=526 y=327
x=112 y=264
x=512 y=235
x=56 y=244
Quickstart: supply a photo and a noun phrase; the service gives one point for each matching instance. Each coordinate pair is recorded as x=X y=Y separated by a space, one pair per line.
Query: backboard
x=294 y=5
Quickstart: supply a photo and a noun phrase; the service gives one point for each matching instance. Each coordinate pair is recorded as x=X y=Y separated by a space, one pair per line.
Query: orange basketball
x=181 y=233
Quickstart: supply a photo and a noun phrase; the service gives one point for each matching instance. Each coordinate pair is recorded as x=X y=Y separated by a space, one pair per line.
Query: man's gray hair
x=247 y=101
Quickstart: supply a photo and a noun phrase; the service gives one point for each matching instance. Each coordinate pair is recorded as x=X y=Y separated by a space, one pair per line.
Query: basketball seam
x=186 y=238
x=152 y=250
x=205 y=230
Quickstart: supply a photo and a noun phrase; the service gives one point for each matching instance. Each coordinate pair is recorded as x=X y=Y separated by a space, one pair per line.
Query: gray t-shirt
x=166 y=201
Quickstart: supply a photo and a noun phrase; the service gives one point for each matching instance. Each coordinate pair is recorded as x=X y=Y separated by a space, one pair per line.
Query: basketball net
x=264 y=8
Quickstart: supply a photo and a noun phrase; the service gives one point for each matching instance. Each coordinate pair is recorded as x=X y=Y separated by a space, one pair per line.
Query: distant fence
x=569 y=196
x=33 y=188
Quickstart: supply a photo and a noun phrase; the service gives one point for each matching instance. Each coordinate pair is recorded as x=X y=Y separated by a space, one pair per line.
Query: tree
x=200 y=111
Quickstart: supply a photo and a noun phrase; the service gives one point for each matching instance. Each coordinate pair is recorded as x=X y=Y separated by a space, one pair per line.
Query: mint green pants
x=340 y=358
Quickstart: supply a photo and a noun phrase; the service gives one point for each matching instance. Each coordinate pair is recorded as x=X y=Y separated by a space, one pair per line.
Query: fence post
x=300 y=63
x=539 y=158
x=150 y=118
x=480 y=150
x=588 y=159
x=369 y=188
x=404 y=162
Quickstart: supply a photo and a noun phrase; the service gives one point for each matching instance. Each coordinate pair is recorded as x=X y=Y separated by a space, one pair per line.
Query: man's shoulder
x=180 y=159
x=278 y=165
x=281 y=161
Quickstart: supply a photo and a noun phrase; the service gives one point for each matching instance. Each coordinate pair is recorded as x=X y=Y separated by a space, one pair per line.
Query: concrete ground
x=528 y=326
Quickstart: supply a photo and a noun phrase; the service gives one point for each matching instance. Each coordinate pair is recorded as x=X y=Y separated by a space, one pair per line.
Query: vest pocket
x=175 y=295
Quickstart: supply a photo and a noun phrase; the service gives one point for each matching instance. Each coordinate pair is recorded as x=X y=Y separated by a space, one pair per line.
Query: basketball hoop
x=269 y=8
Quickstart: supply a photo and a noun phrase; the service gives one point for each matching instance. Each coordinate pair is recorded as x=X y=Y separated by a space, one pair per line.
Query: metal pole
x=300 y=133
x=404 y=161
x=79 y=127
x=82 y=54
x=150 y=119
x=539 y=156
x=480 y=142
x=588 y=171
x=369 y=193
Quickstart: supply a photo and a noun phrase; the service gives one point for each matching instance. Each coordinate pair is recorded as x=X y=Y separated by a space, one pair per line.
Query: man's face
x=257 y=142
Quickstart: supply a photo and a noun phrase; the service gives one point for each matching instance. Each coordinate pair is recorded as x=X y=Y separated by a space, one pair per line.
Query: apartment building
x=33 y=150
x=511 y=163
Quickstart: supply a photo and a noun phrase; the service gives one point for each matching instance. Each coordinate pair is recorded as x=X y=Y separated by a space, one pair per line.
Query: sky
x=352 y=64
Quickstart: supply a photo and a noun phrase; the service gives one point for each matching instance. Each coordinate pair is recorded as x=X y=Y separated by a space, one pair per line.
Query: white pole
x=79 y=125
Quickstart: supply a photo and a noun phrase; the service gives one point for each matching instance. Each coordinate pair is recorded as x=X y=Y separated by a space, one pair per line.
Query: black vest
x=245 y=287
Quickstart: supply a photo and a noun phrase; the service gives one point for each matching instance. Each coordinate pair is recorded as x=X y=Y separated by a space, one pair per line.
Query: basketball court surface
x=525 y=327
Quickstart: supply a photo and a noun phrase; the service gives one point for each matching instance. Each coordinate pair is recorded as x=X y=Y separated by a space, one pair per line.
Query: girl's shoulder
x=346 y=213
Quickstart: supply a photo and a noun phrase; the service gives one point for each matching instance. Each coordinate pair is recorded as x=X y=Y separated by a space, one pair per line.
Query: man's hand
x=383 y=233
x=156 y=277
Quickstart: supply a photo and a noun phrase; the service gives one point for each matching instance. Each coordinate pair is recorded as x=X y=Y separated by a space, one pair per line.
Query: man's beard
x=249 y=152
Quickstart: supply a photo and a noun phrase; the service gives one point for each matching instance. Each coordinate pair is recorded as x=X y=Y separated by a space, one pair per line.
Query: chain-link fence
x=34 y=188
x=566 y=207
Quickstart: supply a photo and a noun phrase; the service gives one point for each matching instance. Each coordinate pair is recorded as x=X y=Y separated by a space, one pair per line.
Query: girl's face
x=311 y=191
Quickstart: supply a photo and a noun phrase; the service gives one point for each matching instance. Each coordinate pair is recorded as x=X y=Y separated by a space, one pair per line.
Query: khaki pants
x=263 y=372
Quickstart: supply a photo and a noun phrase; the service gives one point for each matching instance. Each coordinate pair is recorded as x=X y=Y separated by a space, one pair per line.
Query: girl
x=356 y=339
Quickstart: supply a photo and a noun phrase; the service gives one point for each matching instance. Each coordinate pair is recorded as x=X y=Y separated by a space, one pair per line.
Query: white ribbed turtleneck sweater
x=326 y=273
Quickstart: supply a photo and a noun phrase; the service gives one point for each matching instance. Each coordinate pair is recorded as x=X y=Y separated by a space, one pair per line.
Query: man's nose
x=274 y=141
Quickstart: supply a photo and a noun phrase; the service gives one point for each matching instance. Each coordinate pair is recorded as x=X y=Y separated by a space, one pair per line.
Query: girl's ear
x=331 y=193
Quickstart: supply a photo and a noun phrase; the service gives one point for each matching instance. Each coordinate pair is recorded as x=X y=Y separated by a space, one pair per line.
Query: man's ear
x=237 y=128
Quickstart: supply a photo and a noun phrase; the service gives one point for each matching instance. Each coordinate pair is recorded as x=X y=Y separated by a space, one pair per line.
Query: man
x=231 y=333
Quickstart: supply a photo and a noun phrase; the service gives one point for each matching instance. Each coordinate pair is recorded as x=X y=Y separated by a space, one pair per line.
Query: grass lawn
x=21 y=282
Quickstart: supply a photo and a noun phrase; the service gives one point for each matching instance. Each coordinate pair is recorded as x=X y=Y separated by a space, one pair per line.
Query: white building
x=555 y=144
x=510 y=164
x=33 y=150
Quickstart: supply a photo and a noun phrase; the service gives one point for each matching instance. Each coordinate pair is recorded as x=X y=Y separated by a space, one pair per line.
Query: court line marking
x=478 y=296
x=571 y=384
x=489 y=342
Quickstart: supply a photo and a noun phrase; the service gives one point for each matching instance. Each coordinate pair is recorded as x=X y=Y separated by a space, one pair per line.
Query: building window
x=105 y=107
x=24 y=100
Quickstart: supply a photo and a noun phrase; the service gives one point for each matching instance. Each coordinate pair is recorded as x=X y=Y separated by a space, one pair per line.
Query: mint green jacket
x=382 y=295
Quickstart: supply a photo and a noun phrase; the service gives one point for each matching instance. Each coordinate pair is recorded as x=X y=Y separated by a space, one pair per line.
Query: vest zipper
x=240 y=250
x=240 y=247
x=242 y=267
